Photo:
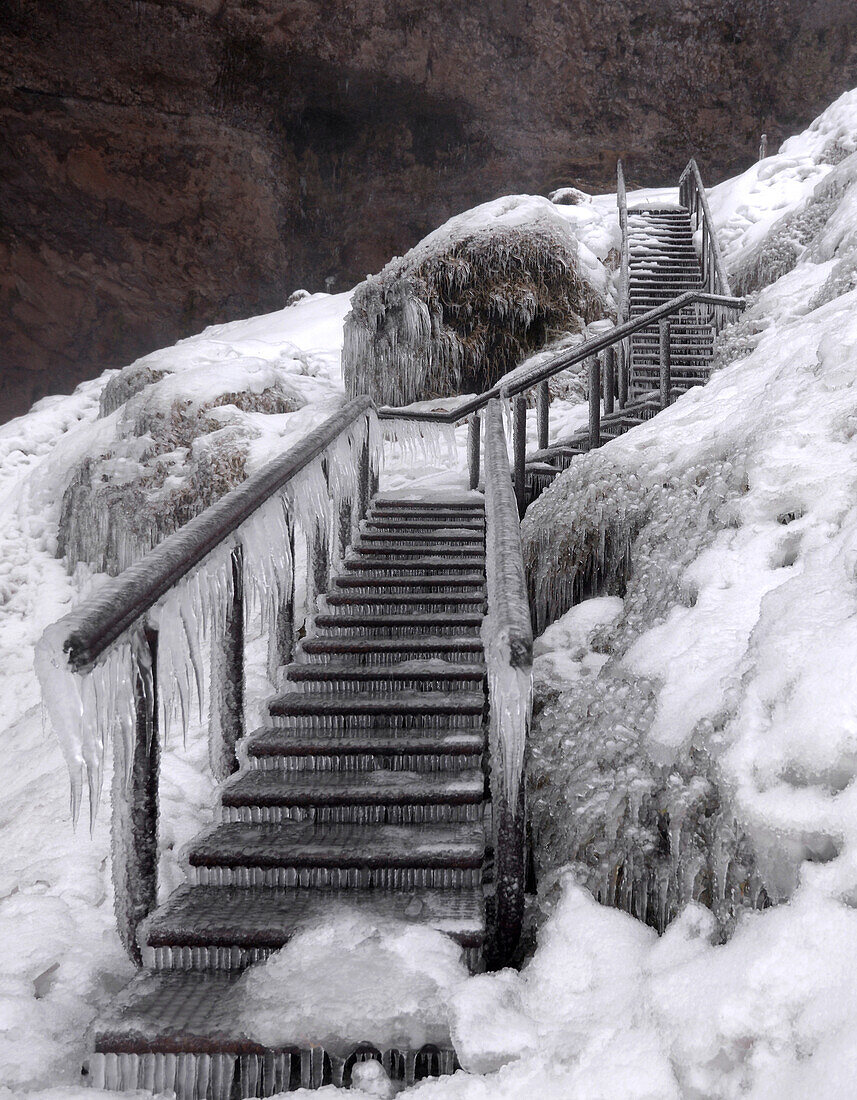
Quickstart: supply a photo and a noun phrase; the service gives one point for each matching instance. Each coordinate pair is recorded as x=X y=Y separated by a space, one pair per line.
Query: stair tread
x=423 y=561
x=260 y=917
x=390 y=741
x=460 y=580
x=283 y=787
x=188 y=1011
x=391 y=618
x=404 y=599
x=369 y=702
x=315 y=844
x=360 y=644
x=415 y=668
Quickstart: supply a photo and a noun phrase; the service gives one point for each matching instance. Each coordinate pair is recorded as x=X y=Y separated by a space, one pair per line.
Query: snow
x=349 y=979
x=721 y=678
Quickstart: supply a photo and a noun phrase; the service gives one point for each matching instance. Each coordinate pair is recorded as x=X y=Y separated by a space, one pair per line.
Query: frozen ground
x=754 y=665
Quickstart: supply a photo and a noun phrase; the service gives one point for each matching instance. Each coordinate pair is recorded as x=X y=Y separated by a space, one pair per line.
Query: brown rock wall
x=169 y=163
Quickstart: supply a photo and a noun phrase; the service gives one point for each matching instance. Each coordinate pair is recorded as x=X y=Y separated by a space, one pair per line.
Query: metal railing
x=623 y=313
x=691 y=191
x=128 y=612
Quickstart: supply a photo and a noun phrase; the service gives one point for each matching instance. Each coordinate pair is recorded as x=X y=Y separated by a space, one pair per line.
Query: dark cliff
x=169 y=163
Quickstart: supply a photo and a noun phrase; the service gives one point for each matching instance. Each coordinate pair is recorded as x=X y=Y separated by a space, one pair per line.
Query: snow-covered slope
x=741 y=633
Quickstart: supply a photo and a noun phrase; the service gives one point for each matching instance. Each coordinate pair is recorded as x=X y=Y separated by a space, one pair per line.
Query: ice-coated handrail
x=507 y=637
x=522 y=378
x=99 y=621
x=693 y=195
x=625 y=253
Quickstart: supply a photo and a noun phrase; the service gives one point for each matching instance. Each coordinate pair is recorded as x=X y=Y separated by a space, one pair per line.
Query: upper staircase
x=664 y=265
x=670 y=265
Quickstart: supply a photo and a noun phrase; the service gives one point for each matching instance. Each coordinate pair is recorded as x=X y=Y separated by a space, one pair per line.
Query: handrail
x=520 y=379
x=625 y=252
x=507 y=636
x=96 y=624
x=136 y=636
x=692 y=194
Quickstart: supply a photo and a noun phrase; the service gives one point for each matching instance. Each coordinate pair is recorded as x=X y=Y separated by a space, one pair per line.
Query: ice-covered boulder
x=475 y=298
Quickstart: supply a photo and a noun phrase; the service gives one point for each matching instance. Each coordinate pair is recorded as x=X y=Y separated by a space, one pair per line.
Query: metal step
x=425 y=563
x=384 y=704
x=392 y=601
x=166 y=1034
x=341 y=856
x=428 y=581
x=363 y=797
x=450 y=647
x=435 y=622
x=441 y=535
x=411 y=674
x=372 y=749
x=229 y=927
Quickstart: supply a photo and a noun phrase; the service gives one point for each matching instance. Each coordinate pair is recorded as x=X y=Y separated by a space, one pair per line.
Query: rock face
x=169 y=163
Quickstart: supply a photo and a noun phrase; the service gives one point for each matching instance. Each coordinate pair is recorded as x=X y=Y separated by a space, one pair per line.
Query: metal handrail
x=97 y=623
x=692 y=194
x=625 y=253
x=521 y=379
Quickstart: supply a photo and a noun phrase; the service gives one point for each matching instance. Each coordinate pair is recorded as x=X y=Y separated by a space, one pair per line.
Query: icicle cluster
x=506 y=630
x=414 y=442
x=90 y=708
x=644 y=836
x=577 y=536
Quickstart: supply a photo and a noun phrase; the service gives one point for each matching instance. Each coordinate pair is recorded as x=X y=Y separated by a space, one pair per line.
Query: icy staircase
x=365 y=789
x=664 y=264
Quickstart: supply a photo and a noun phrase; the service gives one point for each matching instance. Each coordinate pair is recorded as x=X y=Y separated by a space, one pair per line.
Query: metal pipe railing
x=522 y=378
x=97 y=623
x=692 y=194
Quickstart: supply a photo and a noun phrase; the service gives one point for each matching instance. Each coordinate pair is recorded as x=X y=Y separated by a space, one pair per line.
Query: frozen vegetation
x=694 y=747
x=475 y=297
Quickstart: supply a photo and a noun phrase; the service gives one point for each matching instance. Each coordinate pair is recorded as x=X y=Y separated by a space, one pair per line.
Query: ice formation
x=89 y=706
x=470 y=301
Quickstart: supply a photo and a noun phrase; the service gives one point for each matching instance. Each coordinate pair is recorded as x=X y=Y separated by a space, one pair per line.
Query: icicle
x=85 y=708
x=418 y=442
x=89 y=708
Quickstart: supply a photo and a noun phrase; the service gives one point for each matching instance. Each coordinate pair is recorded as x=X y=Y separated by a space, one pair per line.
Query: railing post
x=226 y=720
x=519 y=447
x=510 y=854
x=543 y=404
x=594 y=403
x=281 y=643
x=666 y=364
x=609 y=379
x=474 y=425
x=135 y=803
x=363 y=476
x=624 y=354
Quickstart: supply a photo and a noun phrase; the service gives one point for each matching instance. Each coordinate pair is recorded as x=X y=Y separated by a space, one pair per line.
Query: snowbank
x=187 y=423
